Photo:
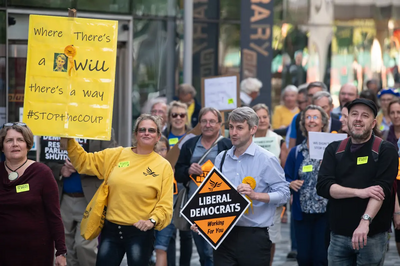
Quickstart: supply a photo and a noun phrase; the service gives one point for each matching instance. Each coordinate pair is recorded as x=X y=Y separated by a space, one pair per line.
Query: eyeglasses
x=204 y=122
x=181 y=115
x=315 y=117
x=150 y=130
x=301 y=102
x=162 y=150
x=14 y=124
x=157 y=112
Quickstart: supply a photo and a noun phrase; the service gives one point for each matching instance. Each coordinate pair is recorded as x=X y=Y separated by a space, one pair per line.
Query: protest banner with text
x=320 y=140
x=50 y=149
x=70 y=73
x=215 y=207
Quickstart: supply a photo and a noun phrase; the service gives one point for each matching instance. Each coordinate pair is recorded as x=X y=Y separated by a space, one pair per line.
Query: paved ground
x=282 y=248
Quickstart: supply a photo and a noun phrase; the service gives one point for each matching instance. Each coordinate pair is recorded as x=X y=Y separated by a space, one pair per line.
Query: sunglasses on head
x=14 y=124
x=150 y=130
x=181 y=115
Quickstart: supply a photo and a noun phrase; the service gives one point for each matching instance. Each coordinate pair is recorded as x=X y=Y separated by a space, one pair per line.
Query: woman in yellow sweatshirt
x=140 y=193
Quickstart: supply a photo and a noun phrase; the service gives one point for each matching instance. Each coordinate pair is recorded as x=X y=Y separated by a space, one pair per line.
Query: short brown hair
x=391 y=103
x=24 y=130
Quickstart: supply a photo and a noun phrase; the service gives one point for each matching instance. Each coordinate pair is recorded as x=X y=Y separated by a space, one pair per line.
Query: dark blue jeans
x=186 y=243
x=341 y=252
x=310 y=235
x=204 y=249
x=116 y=240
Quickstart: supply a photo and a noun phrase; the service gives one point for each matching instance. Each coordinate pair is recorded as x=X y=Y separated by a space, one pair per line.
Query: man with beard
x=357 y=175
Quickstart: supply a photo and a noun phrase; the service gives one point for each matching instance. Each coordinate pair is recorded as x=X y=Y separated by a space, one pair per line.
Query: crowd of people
x=342 y=207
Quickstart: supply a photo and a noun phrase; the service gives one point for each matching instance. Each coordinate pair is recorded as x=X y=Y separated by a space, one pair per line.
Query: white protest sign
x=221 y=92
x=320 y=140
x=270 y=144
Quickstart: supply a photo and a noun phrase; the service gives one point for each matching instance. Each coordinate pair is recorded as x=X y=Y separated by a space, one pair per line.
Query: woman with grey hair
x=136 y=176
x=283 y=114
x=308 y=209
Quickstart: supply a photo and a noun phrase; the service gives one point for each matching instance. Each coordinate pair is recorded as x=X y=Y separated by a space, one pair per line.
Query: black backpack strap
x=341 y=149
x=376 y=146
x=222 y=160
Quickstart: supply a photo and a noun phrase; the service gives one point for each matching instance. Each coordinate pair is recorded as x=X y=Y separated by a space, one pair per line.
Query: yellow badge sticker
x=22 y=188
x=230 y=101
x=362 y=160
x=173 y=141
x=307 y=168
x=123 y=164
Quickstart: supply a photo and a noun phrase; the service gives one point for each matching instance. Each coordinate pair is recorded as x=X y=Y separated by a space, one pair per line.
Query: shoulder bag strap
x=209 y=150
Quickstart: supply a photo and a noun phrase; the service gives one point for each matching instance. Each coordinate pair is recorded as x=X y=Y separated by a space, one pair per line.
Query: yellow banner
x=70 y=72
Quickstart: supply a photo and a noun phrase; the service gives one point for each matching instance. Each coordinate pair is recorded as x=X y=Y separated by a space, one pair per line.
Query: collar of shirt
x=251 y=150
x=245 y=98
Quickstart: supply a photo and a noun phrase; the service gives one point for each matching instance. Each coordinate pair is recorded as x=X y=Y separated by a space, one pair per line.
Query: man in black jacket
x=357 y=177
x=189 y=170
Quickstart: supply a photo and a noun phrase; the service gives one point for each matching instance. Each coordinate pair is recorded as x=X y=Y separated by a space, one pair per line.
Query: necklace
x=14 y=175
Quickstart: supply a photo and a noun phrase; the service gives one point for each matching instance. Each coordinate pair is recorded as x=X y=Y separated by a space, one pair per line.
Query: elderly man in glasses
x=191 y=172
x=160 y=108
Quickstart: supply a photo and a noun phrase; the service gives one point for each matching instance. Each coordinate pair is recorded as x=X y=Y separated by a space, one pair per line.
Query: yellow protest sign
x=70 y=73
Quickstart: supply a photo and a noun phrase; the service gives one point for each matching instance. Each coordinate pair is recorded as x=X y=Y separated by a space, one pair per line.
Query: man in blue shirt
x=248 y=243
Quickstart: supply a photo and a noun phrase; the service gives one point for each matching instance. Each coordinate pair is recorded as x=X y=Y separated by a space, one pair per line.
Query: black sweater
x=183 y=164
x=345 y=214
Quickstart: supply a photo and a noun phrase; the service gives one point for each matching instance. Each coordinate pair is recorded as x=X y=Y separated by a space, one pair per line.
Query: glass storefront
x=361 y=49
x=3 y=90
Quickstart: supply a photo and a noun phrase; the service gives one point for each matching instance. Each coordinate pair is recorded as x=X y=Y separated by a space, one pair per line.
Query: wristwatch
x=153 y=221
x=64 y=255
x=366 y=217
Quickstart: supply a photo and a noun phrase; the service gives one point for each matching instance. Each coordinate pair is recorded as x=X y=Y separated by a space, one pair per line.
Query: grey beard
x=360 y=137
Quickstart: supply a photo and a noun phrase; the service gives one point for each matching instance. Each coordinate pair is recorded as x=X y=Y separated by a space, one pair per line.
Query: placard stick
x=223 y=126
x=64 y=141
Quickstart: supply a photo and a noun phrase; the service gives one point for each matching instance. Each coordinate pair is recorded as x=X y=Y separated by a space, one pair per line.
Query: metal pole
x=188 y=41
x=171 y=52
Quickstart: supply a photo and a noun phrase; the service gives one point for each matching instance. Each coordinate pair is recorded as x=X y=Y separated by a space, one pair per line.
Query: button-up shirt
x=264 y=167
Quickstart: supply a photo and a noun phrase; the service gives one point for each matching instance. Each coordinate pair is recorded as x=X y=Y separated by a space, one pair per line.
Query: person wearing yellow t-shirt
x=283 y=114
x=140 y=193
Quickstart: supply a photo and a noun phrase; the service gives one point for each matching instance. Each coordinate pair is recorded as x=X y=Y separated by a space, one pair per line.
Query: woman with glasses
x=140 y=193
x=30 y=218
x=308 y=209
x=279 y=149
x=177 y=122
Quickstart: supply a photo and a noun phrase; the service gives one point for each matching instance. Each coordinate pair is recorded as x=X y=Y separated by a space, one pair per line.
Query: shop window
x=155 y=7
x=149 y=62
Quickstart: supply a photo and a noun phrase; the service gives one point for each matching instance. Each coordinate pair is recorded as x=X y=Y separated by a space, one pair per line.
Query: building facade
x=336 y=41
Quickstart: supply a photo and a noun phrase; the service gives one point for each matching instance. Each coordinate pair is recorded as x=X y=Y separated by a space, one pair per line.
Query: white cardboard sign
x=318 y=141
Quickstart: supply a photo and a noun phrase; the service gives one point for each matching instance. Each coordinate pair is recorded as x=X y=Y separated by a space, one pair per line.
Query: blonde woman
x=140 y=193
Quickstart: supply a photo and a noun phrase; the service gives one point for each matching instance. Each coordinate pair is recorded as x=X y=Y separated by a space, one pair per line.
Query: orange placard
x=206 y=168
x=398 y=173
x=215 y=207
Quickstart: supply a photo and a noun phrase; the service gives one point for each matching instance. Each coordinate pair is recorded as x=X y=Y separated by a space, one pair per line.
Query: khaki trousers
x=80 y=252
